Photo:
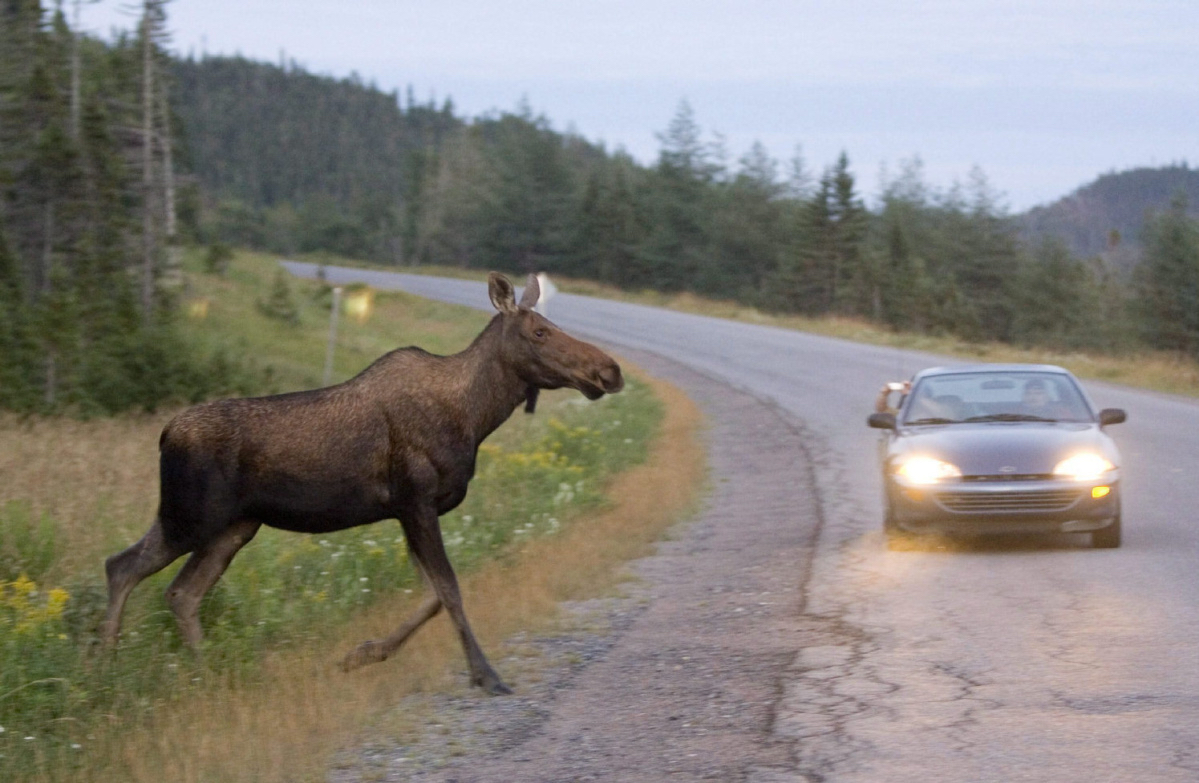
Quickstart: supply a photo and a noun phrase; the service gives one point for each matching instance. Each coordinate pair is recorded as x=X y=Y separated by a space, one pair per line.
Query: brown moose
x=399 y=440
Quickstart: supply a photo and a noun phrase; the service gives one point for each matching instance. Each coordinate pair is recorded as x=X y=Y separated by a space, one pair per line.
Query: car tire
x=1107 y=537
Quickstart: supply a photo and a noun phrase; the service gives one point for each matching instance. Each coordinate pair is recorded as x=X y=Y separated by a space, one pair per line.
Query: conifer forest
x=115 y=155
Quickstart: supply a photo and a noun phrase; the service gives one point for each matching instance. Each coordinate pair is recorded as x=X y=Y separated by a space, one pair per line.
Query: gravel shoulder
x=679 y=677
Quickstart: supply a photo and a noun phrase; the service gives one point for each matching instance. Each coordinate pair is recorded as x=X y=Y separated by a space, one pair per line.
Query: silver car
x=999 y=448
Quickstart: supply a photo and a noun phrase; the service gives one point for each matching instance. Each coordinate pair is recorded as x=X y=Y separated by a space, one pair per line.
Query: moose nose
x=611 y=378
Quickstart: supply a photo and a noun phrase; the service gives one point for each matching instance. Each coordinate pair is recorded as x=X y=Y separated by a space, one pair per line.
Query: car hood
x=996 y=448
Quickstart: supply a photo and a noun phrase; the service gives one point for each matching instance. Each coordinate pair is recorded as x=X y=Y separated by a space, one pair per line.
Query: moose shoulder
x=399 y=440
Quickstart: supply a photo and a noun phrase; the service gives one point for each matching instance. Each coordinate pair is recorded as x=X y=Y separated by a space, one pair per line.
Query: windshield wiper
x=933 y=420
x=1009 y=417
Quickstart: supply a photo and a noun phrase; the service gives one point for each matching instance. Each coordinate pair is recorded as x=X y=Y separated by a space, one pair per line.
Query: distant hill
x=1105 y=217
x=268 y=135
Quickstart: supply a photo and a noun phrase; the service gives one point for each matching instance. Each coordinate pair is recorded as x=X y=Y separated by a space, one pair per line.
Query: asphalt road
x=1035 y=659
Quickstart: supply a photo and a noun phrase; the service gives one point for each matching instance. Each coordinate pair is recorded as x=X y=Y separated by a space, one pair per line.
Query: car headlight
x=927 y=470
x=1083 y=467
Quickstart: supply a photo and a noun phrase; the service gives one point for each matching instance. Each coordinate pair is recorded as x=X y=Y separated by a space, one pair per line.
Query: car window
x=982 y=396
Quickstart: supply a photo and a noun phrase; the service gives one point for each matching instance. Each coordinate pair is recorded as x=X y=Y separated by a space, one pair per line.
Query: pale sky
x=1043 y=95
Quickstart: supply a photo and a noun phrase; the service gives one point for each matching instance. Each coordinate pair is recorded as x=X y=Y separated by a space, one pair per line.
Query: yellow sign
x=359 y=304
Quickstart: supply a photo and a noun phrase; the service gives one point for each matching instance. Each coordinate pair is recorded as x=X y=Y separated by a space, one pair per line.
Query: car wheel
x=1107 y=537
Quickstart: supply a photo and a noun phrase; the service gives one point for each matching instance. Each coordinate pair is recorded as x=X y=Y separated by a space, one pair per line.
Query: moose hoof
x=367 y=652
x=492 y=684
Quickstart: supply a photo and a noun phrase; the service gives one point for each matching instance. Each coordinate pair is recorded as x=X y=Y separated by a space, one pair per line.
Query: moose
x=397 y=441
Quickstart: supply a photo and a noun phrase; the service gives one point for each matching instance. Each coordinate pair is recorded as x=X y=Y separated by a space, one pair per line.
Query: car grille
x=1024 y=500
x=990 y=477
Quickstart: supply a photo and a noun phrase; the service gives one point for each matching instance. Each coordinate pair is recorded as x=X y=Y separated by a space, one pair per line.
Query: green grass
x=63 y=702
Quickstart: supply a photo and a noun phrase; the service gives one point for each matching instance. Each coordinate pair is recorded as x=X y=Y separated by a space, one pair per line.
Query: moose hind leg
x=424 y=540
x=200 y=573
x=375 y=651
x=126 y=569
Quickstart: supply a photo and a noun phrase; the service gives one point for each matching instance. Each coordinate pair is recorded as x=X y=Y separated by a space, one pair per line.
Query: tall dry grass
x=93 y=479
x=289 y=724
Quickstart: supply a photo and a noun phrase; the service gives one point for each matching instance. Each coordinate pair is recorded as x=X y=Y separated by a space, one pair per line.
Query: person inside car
x=882 y=403
x=1036 y=401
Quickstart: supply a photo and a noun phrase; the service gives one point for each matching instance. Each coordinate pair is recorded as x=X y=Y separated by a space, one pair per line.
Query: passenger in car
x=882 y=403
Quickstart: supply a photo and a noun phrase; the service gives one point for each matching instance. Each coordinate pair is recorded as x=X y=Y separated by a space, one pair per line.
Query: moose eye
x=540 y=334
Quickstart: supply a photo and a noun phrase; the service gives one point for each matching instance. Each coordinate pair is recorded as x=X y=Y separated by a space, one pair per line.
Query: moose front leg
x=425 y=543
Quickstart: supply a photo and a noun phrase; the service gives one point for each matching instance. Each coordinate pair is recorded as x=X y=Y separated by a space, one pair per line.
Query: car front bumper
x=996 y=507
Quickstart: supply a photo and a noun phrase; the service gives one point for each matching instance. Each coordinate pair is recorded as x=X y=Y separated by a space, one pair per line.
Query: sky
x=1042 y=95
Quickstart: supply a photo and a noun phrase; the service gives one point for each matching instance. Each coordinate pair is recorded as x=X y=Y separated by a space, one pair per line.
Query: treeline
x=292 y=163
x=93 y=214
x=296 y=162
x=86 y=225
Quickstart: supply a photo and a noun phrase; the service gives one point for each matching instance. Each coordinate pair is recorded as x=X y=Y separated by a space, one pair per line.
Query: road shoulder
x=680 y=676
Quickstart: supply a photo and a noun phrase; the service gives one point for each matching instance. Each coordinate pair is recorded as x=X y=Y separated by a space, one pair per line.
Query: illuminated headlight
x=926 y=470
x=1083 y=467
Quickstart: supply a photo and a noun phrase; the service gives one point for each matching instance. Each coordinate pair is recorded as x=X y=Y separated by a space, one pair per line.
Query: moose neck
x=493 y=389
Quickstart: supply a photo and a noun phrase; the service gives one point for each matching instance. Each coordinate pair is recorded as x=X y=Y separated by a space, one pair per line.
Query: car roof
x=954 y=369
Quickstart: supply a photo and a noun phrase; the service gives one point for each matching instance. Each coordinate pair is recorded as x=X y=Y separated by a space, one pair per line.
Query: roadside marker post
x=332 y=335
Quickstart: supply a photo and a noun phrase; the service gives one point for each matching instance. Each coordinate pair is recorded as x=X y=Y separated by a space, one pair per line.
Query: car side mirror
x=881 y=421
x=1112 y=416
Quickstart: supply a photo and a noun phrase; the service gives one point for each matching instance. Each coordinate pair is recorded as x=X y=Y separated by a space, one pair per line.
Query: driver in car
x=1036 y=401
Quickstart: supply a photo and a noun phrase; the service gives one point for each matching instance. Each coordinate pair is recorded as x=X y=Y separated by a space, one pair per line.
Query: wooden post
x=332 y=335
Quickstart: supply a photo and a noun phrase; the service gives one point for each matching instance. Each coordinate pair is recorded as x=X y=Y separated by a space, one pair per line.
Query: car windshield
x=995 y=396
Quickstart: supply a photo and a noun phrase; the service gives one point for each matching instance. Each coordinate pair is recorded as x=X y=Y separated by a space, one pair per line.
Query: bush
x=280 y=305
x=216 y=260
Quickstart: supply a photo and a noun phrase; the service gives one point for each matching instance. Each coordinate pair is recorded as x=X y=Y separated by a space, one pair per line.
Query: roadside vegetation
x=126 y=175
x=1159 y=370
x=75 y=491
x=105 y=181
x=1166 y=371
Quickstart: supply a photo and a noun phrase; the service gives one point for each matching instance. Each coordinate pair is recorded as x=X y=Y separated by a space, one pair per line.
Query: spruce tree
x=1168 y=286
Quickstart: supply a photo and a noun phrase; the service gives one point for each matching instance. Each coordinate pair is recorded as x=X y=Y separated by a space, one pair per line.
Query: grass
x=1157 y=370
x=553 y=508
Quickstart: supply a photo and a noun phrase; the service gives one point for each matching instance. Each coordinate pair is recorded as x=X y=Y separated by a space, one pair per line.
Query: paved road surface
x=1038 y=660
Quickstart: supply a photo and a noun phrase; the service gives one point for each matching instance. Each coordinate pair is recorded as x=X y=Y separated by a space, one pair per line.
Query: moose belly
x=313 y=506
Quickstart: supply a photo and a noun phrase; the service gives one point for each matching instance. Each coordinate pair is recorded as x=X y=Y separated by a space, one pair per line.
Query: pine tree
x=16 y=340
x=525 y=217
x=678 y=206
x=981 y=254
x=1168 y=286
x=280 y=305
x=608 y=227
x=1054 y=297
x=852 y=283
x=746 y=232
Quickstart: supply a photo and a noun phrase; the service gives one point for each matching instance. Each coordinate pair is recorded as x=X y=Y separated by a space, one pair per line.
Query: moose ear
x=528 y=299
x=502 y=294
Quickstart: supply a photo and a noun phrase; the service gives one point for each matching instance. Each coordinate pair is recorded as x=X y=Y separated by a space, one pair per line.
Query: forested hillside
x=276 y=158
x=88 y=241
x=1107 y=216
x=300 y=162
x=293 y=162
